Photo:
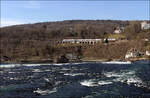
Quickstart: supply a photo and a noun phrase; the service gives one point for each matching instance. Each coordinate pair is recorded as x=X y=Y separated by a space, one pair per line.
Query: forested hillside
x=34 y=40
x=62 y=29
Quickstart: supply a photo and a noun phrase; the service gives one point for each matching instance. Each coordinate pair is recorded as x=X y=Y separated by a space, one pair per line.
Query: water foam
x=45 y=92
x=125 y=77
x=89 y=83
x=73 y=74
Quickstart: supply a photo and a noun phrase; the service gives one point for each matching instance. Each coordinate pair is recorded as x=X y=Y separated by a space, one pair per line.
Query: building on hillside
x=148 y=53
x=81 y=41
x=133 y=53
x=119 y=30
x=110 y=39
x=86 y=41
x=145 y=25
x=147 y=40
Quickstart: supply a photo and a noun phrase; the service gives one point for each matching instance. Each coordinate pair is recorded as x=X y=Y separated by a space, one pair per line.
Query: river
x=76 y=80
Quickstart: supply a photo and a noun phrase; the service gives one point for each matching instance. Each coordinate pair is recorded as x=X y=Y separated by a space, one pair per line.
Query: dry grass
x=114 y=51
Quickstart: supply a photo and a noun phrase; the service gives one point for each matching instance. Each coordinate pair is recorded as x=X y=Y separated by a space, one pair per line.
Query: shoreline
x=81 y=61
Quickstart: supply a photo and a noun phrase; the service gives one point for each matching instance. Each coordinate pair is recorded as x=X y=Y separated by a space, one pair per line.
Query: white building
x=110 y=39
x=145 y=25
x=119 y=30
x=132 y=53
x=82 y=41
x=148 y=53
x=86 y=41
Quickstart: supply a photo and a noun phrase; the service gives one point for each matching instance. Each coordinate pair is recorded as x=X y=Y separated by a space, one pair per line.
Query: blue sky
x=22 y=12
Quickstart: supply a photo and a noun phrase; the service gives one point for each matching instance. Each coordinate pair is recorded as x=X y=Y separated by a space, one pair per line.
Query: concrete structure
x=81 y=41
x=145 y=25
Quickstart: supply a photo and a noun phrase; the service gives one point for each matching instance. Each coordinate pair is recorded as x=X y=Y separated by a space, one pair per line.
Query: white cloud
x=6 y=22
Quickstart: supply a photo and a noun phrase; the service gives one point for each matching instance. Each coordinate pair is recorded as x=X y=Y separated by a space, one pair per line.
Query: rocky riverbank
x=65 y=60
x=117 y=51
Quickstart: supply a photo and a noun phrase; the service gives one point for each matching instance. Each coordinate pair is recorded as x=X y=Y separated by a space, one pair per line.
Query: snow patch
x=9 y=65
x=28 y=65
x=60 y=64
x=116 y=62
x=18 y=65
